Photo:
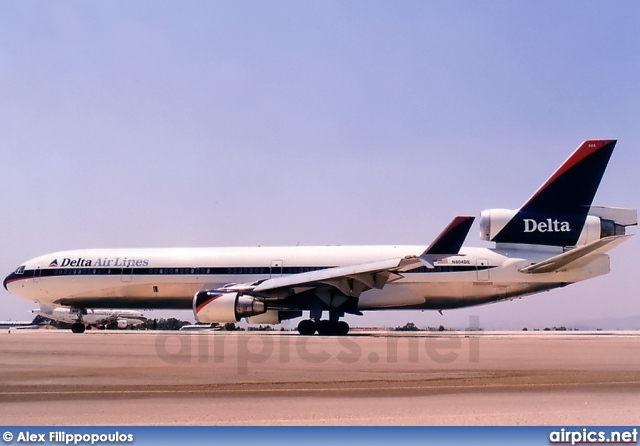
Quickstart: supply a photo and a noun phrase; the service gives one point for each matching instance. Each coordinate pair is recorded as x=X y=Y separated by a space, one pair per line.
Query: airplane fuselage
x=169 y=278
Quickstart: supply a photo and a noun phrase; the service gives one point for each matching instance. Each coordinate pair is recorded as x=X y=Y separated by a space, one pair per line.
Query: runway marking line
x=311 y=389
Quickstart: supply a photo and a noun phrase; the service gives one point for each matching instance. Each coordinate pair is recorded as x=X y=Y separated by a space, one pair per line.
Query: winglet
x=450 y=240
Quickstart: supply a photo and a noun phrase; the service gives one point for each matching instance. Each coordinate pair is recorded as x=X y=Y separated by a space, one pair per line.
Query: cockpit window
x=20 y=269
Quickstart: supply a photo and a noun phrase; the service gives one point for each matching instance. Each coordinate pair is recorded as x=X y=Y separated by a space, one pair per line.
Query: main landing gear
x=78 y=327
x=309 y=327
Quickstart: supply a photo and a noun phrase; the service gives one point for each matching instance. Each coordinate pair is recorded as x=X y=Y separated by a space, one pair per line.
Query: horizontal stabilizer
x=577 y=257
x=451 y=239
x=621 y=216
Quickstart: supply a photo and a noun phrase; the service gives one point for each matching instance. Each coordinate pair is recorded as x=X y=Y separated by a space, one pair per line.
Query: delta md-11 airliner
x=556 y=238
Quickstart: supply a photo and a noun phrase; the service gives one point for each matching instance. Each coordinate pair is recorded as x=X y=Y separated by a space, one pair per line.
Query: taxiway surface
x=52 y=377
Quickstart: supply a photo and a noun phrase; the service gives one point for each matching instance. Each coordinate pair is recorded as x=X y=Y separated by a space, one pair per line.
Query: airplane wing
x=352 y=281
x=577 y=257
x=349 y=280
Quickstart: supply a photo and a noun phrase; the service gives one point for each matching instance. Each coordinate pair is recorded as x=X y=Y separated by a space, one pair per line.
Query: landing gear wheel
x=326 y=328
x=307 y=327
x=332 y=328
x=342 y=328
x=78 y=328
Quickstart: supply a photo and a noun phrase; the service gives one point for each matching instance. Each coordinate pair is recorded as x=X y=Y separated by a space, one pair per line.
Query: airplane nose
x=8 y=279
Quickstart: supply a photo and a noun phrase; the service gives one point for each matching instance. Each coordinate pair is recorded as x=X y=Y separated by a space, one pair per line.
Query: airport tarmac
x=52 y=377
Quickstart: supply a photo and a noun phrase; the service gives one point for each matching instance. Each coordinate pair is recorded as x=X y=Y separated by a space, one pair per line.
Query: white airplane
x=199 y=327
x=556 y=238
x=37 y=322
x=80 y=318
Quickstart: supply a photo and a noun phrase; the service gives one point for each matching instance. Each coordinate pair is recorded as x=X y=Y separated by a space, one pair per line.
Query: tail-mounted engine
x=219 y=306
x=515 y=226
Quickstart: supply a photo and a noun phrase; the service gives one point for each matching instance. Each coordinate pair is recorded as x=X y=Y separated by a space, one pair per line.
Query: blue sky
x=241 y=123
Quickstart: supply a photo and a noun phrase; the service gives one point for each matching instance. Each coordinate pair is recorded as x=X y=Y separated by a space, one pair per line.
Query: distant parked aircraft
x=80 y=318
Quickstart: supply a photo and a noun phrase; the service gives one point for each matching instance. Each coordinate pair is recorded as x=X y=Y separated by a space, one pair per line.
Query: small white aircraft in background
x=80 y=318
x=37 y=322
x=200 y=327
x=555 y=239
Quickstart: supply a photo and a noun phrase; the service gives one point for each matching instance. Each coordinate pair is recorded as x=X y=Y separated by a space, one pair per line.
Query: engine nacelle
x=493 y=220
x=121 y=323
x=225 y=307
x=555 y=230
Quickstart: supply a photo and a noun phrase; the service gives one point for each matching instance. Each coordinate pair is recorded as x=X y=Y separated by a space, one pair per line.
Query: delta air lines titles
x=121 y=262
